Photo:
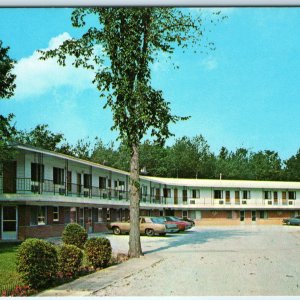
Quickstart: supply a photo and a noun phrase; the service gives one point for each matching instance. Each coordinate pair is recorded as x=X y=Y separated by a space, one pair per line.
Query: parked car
x=188 y=220
x=292 y=221
x=182 y=225
x=148 y=225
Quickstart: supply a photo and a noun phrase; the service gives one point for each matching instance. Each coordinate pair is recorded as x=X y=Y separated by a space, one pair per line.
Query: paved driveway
x=237 y=260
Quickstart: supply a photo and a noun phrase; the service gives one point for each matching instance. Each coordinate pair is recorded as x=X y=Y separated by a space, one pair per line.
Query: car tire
x=149 y=232
x=116 y=230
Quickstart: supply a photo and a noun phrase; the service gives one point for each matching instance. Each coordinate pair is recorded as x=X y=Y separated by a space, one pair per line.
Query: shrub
x=69 y=260
x=74 y=234
x=98 y=251
x=19 y=291
x=37 y=263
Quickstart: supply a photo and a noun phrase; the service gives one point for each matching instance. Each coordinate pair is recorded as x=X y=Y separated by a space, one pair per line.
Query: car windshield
x=158 y=220
x=173 y=219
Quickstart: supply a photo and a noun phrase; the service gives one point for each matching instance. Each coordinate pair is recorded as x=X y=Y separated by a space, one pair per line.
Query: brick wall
x=40 y=231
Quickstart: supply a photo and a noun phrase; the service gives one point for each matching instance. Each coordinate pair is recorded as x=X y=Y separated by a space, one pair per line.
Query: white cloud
x=36 y=77
x=209 y=63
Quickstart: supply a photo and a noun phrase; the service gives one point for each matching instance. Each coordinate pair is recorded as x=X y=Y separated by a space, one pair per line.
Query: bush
x=98 y=251
x=74 y=234
x=19 y=291
x=37 y=263
x=69 y=260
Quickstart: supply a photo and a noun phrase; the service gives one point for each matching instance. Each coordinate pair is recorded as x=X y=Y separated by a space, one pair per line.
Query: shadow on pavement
x=196 y=238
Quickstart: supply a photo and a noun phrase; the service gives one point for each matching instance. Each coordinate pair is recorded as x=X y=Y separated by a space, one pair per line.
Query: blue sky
x=244 y=94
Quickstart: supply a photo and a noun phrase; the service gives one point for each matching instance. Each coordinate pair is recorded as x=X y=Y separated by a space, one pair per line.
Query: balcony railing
x=48 y=187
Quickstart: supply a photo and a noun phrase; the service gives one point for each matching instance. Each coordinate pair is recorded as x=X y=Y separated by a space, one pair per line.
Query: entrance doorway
x=242 y=215
x=9 y=222
x=9 y=177
x=253 y=215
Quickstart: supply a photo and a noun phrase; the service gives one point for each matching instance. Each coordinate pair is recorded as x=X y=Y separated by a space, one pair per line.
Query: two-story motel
x=41 y=191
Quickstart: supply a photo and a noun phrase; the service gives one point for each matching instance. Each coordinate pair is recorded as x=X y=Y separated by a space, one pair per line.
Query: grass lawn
x=9 y=276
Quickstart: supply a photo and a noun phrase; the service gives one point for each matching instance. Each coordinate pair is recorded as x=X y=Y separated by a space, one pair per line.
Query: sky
x=245 y=93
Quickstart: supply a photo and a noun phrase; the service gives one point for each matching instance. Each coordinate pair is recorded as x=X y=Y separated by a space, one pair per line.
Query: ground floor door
x=253 y=215
x=242 y=215
x=9 y=222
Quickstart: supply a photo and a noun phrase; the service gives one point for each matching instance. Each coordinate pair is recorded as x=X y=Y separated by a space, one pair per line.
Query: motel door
x=9 y=177
x=175 y=196
x=242 y=215
x=253 y=215
x=9 y=222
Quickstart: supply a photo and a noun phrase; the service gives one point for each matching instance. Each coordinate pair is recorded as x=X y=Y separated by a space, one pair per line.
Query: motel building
x=41 y=191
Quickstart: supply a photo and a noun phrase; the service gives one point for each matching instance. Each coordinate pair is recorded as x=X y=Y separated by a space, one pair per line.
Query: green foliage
x=98 y=251
x=37 y=263
x=69 y=260
x=42 y=137
x=7 y=78
x=7 y=135
x=74 y=234
x=130 y=41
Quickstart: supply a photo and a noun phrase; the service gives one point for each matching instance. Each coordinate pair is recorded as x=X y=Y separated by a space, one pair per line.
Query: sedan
x=292 y=221
x=182 y=225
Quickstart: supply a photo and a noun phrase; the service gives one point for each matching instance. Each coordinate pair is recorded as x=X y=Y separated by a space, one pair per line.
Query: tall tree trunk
x=135 y=249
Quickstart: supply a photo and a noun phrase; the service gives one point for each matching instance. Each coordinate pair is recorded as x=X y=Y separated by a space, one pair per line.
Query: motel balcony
x=24 y=189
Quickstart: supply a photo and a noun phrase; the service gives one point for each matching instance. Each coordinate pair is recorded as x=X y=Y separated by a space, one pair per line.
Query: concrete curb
x=89 y=285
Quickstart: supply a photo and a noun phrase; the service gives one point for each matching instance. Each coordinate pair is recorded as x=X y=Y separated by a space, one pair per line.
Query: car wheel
x=116 y=230
x=149 y=232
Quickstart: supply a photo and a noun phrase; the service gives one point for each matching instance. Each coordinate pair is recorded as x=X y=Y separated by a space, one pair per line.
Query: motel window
x=229 y=214
x=184 y=214
x=292 y=195
x=237 y=195
x=81 y=216
x=263 y=214
x=267 y=195
x=55 y=213
x=87 y=181
x=218 y=194
x=109 y=183
x=58 y=176
x=108 y=214
x=152 y=191
x=38 y=215
x=195 y=194
x=246 y=194
x=227 y=195
x=275 y=195
x=167 y=193
x=100 y=215
x=144 y=190
x=102 y=182
x=69 y=181
x=122 y=186
x=37 y=172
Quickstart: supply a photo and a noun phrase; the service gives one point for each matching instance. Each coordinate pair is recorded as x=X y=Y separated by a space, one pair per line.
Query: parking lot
x=233 y=260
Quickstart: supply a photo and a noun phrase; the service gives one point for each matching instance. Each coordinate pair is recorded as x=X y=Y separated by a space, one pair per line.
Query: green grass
x=9 y=276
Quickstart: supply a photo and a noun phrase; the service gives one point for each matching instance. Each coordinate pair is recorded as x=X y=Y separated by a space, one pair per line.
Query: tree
x=7 y=87
x=42 y=137
x=7 y=134
x=7 y=78
x=292 y=167
x=130 y=40
x=265 y=165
